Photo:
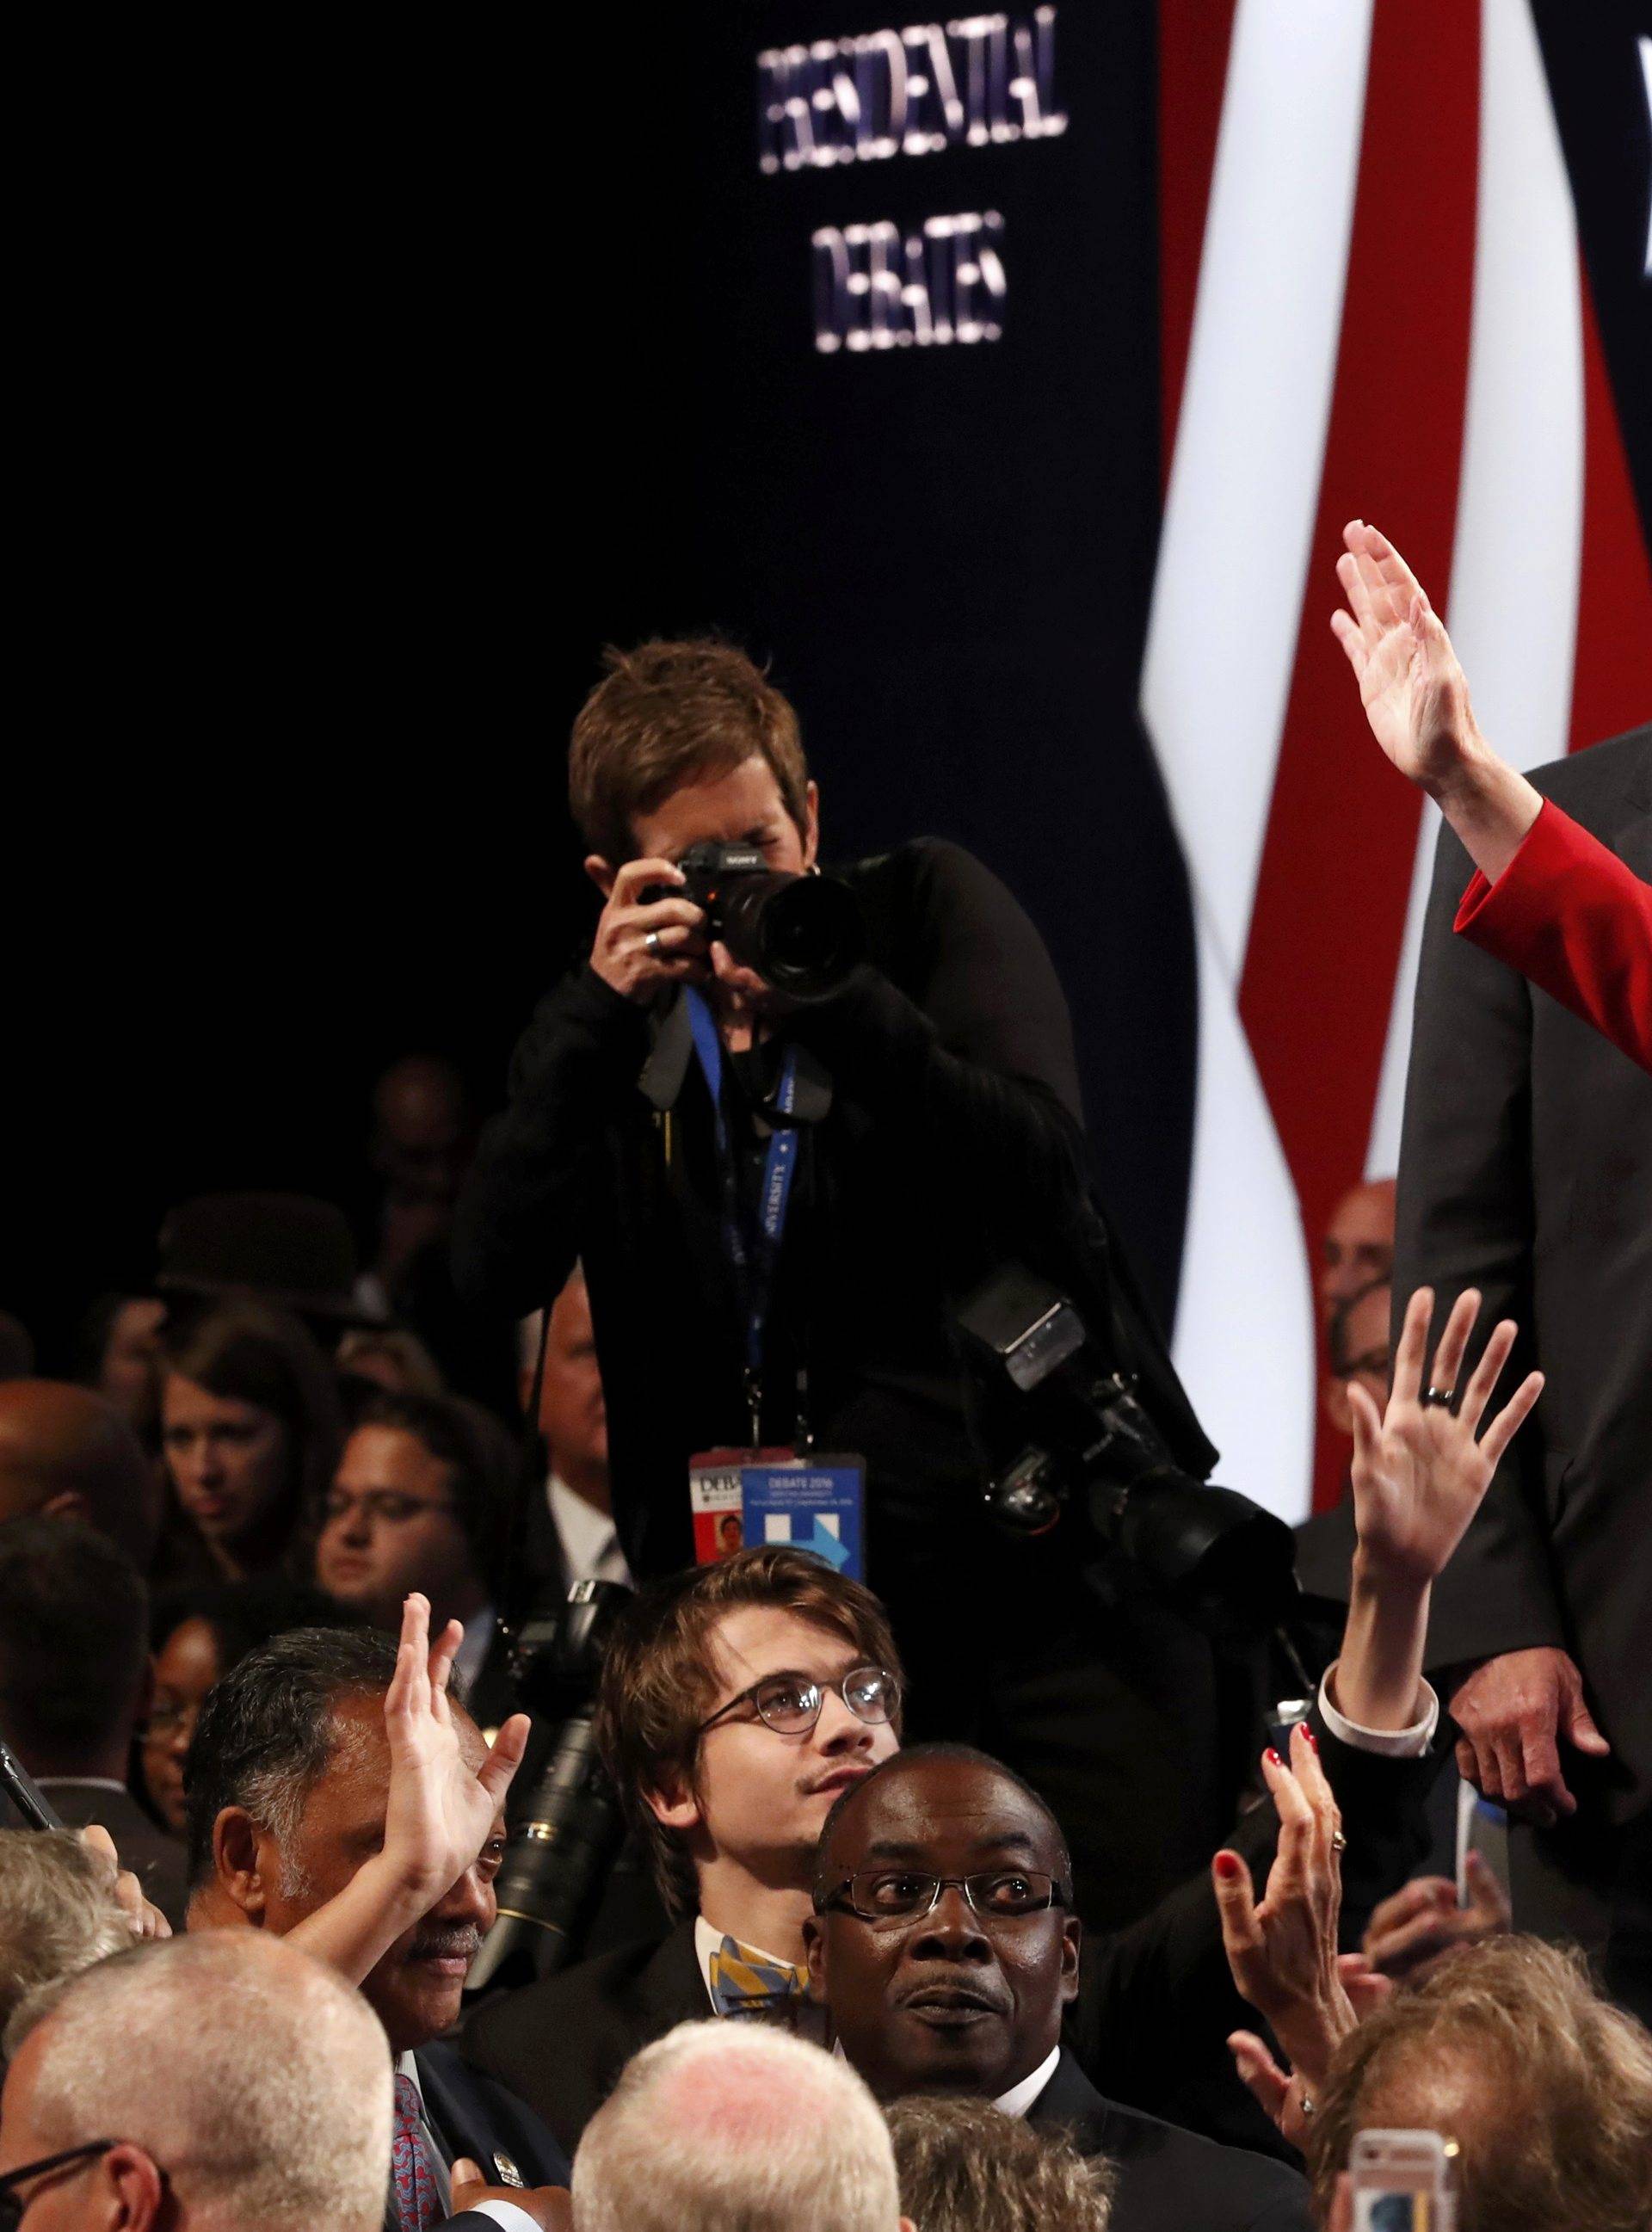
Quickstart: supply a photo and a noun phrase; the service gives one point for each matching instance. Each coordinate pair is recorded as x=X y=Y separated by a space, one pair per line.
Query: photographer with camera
x=782 y=1172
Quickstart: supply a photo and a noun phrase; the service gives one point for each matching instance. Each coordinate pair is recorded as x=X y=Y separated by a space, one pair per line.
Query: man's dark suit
x=1156 y=2000
x=563 y=2043
x=1168 y=2179
x=154 y=1858
x=1527 y=1170
x=472 y=2116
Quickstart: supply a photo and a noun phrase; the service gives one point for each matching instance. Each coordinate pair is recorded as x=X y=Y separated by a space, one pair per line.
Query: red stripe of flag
x=1336 y=862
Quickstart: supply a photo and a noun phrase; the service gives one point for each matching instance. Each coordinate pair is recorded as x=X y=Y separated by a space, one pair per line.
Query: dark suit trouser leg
x=1590 y=1883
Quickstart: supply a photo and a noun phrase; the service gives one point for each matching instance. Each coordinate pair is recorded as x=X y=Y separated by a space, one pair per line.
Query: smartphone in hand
x=1402 y=2182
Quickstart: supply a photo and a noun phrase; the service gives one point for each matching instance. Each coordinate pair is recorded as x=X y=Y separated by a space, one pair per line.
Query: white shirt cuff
x=505 y=2213
x=1388 y=1743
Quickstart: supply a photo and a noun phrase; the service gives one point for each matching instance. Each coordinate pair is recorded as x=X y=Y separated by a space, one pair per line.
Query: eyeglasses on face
x=376 y=1504
x=13 y=2203
x=791 y=1703
x=904 y=1895
x=166 y=1718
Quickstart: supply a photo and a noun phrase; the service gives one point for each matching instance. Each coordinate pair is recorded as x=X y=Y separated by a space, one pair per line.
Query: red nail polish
x=1274 y=1757
x=1229 y=1866
x=1310 y=1735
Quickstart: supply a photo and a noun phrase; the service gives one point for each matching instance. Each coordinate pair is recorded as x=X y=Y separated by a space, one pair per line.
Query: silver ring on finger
x=651 y=943
x=1440 y=1398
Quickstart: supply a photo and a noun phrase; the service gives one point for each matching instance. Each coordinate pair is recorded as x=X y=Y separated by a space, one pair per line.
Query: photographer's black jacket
x=948 y=1137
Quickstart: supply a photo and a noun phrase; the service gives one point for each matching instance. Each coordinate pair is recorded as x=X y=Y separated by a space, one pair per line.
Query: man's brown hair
x=1546 y=2087
x=669 y=714
x=658 y=1682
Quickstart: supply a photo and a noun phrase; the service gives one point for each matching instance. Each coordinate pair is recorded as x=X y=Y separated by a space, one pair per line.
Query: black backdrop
x=370 y=399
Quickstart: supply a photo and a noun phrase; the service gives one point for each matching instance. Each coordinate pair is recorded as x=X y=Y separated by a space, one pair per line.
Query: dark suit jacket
x=470 y=2115
x=1169 y=2181
x=155 y=1857
x=561 y=2043
x=1527 y=1170
x=1151 y=1997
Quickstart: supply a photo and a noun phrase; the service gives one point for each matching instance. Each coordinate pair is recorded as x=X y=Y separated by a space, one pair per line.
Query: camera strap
x=753 y=1250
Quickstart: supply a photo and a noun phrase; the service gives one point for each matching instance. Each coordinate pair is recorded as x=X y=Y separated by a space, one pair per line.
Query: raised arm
x=441 y=1811
x=1418 y=1475
x=1416 y=697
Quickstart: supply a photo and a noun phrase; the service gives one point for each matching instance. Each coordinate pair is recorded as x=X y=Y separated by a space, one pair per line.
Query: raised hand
x=1414 y=1927
x=1283 y=1953
x=1419 y=1473
x=442 y=1809
x=1413 y=691
x=145 y=1920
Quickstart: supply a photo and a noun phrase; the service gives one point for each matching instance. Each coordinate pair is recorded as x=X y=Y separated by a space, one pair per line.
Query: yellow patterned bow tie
x=747 y=1983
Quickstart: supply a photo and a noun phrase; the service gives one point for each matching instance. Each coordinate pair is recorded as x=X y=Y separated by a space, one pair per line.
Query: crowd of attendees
x=267 y=1559
x=250 y=1569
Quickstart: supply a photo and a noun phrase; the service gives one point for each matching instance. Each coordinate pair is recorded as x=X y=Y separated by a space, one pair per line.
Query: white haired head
x=58 y=1912
x=256 y=2081
x=737 y=2127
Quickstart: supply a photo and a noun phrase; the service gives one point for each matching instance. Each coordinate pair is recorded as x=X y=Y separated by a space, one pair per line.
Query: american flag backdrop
x=1374 y=305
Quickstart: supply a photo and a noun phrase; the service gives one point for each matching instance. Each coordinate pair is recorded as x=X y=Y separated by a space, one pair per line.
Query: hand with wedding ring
x=642 y=947
x=1419 y=1473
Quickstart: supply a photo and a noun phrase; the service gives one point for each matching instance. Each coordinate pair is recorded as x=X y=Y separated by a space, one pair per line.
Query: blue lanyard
x=757 y=1258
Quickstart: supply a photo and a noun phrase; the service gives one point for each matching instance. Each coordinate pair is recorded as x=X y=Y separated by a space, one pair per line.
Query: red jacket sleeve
x=1572 y=917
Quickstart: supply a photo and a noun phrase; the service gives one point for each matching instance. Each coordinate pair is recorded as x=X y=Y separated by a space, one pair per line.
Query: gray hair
x=966 y=2167
x=268 y=1731
x=58 y=1912
x=735 y=2127
x=251 y=2075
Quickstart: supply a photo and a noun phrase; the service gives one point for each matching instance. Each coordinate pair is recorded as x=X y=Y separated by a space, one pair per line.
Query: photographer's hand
x=621 y=954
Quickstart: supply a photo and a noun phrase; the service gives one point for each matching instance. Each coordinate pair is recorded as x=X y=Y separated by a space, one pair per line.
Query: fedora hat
x=286 y=1248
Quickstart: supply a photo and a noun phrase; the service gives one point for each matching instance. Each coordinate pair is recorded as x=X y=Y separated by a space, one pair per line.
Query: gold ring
x=1339 y=1842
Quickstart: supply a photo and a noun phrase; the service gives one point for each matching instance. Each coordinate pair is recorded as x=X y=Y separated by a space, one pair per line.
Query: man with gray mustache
x=338 y=1795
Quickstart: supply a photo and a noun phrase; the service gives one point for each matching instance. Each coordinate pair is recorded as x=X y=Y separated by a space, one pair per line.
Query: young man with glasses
x=738 y=1702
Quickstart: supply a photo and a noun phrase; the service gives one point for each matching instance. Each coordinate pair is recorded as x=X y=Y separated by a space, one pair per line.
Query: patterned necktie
x=747 y=1983
x=418 y=2205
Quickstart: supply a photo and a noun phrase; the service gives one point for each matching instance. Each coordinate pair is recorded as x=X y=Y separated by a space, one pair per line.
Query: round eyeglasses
x=902 y=1895
x=791 y=1703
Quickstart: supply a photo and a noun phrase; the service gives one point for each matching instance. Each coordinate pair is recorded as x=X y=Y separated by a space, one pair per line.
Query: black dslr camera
x=802 y=934
x=1092 y=1449
x=566 y=1830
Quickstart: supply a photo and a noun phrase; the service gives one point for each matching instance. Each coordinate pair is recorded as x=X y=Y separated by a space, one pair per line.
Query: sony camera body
x=801 y=934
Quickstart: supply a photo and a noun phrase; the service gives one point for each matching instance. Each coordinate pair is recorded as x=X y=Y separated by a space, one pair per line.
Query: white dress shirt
x=1020 y=2097
x=589 y=1543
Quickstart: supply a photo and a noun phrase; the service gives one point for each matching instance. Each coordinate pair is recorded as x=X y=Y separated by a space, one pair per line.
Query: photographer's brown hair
x=669 y=714
x=658 y=1682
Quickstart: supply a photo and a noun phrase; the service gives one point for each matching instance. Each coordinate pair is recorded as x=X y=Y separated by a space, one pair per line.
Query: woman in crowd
x=249 y=1432
x=197 y=1635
